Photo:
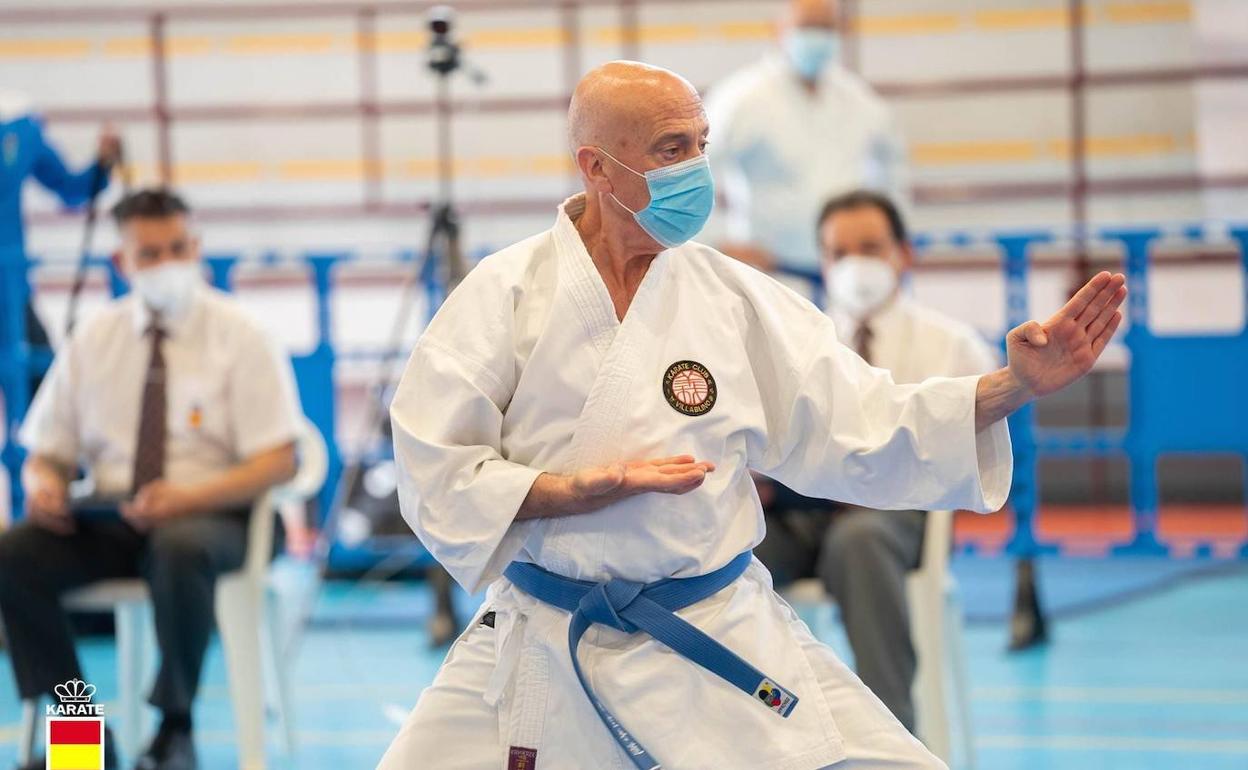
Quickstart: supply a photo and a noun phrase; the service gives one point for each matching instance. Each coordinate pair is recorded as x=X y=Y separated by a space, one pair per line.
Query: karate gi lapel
x=621 y=344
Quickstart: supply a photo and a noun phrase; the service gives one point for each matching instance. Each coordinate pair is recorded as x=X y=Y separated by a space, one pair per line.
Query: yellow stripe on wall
x=515 y=38
x=184 y=173
x=1021 y=18
x=910 y=24
x=289 y=43
x=552 y=165
x=1149 y=12
x=958 y=153
x=895 y=25
x=45 y=49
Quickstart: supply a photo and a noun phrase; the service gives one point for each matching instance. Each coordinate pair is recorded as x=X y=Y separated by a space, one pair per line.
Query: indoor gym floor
x=1146 y=670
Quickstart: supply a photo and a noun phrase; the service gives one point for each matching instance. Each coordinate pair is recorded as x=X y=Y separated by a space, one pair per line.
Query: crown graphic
x=74 y=691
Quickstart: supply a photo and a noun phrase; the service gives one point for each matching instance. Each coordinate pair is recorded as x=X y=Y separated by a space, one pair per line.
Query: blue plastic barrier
x=1186 y=392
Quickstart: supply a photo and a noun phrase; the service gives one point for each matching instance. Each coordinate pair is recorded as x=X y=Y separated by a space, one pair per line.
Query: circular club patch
x=689 y=388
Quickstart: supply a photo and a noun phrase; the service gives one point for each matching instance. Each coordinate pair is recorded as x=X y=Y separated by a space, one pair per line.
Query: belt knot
x=603 y=603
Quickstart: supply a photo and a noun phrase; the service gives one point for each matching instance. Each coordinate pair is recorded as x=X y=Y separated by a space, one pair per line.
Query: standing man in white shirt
x=789 y=132
x=862 y=555
x=183 y=411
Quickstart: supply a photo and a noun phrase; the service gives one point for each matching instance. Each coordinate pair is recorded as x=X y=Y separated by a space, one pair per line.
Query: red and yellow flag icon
x=76 y=743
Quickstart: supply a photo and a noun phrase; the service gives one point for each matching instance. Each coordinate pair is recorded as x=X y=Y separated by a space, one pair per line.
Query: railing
x=1186 y=391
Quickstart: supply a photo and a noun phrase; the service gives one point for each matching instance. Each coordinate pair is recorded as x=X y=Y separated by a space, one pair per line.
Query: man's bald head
x=627 y=118
x=617 y=104
x=812 y=13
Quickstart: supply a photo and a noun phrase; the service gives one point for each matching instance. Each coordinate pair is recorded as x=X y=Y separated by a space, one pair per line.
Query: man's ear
x=119 y=264
x=906 y=252
x=593 y=170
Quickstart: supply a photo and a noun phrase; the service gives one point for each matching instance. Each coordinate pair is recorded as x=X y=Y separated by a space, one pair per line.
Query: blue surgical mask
x=809 y=49
x=681 y=198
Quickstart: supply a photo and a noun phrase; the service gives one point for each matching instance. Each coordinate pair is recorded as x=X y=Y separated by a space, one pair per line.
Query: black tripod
x=443 y=264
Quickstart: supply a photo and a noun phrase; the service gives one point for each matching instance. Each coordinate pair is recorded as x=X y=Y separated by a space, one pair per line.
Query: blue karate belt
x=629 y=606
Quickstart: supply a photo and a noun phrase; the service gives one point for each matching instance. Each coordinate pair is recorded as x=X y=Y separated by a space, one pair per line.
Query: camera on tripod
x=443 y=50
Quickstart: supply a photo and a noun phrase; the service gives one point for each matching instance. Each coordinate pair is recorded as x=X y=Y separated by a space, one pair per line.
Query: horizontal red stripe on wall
x=74 y=731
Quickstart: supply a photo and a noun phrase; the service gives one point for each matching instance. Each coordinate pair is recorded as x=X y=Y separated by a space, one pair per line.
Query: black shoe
x=110 y=756
x=171 y=749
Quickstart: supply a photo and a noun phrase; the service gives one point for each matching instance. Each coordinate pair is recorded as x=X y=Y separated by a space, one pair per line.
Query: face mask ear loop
x=612 y=194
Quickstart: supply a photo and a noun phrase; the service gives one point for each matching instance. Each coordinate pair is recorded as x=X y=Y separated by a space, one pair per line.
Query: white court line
x=1113 y=743
x=1167 y=695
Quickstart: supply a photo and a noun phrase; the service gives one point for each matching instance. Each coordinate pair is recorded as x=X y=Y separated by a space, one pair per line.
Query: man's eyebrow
x=671 y=136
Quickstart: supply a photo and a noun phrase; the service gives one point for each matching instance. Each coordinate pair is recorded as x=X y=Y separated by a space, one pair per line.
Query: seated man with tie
x=182 y=411
x=861 y=555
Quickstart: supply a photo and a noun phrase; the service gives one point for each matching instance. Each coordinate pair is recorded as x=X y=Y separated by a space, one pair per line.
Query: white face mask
x=167 y=289
x=860 y=285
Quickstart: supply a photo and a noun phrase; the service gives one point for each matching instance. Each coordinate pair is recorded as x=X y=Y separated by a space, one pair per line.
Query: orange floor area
x=1093 y=529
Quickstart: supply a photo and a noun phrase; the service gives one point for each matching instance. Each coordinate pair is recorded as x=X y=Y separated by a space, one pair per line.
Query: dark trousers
x=862 y=557
x=180 y=562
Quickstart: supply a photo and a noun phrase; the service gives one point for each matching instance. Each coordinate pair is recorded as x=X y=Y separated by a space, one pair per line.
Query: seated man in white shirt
x=182 y=411
x=862 y=555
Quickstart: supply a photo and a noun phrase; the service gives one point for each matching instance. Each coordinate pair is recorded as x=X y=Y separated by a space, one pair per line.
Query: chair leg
x=134 y=664
x=239 y=613
x=277 y=665
x=26 y=733
x=960 y=680
x=927 y=624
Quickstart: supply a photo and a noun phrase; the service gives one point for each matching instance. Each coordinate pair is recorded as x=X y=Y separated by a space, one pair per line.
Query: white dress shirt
x=230 y=393
x=779 y=153
x=914 y=342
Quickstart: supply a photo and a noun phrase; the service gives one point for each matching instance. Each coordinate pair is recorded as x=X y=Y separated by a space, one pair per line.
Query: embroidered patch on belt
x=521 y=759
x=689 y=388
x=775 y=697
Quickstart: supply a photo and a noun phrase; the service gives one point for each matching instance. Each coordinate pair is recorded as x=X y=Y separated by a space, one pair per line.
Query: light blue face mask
x=809 y=49
x=681 y=198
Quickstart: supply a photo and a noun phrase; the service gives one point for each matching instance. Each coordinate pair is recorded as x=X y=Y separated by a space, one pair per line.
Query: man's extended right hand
x=594 y=488
x=47 y=505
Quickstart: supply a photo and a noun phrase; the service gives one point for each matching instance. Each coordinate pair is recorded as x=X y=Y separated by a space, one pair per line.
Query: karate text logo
x=75 y=728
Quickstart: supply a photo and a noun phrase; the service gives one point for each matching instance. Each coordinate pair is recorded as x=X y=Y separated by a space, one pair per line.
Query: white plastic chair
x=246 y=612
x=941 y=690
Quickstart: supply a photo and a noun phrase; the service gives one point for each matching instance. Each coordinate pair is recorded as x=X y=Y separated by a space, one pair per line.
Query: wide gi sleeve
x=841 y=429
x=456 y=489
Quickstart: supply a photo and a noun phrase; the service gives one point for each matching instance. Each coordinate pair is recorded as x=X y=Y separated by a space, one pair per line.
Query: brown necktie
x=149 y=453
x=862 y=341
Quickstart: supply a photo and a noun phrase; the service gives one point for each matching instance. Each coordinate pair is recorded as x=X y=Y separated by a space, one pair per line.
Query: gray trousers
x=180 y=562
x=862 y=557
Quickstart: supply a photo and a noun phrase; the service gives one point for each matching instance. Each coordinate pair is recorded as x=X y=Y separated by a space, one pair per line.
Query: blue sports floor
x=1148 y=668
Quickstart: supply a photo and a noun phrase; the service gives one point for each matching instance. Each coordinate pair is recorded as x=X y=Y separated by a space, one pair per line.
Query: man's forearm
x=246 y=481
x=997 y=396
x=549 y=497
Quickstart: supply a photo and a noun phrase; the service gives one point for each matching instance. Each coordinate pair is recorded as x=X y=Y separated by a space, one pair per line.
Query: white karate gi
x=526 y=369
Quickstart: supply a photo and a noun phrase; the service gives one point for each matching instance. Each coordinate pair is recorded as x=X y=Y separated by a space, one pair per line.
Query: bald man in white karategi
x=576 y=430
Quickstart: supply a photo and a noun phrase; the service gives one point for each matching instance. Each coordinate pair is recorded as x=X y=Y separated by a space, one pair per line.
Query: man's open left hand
x=1047 y=357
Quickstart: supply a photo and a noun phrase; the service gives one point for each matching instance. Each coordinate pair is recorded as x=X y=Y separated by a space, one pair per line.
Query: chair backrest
x=313 y=464
x=937 y=544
